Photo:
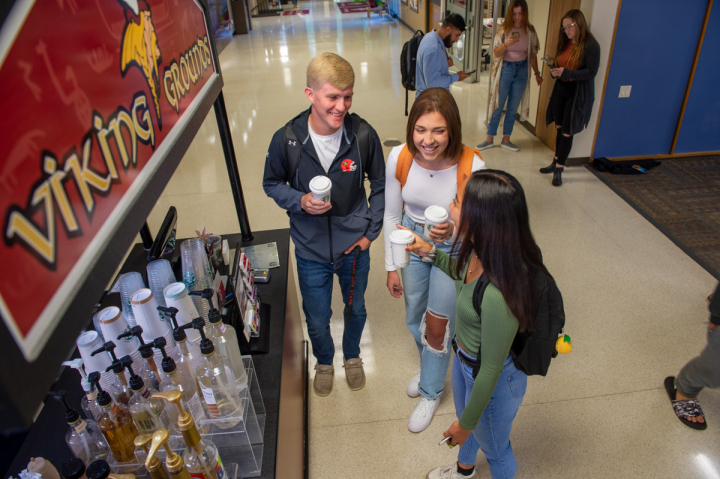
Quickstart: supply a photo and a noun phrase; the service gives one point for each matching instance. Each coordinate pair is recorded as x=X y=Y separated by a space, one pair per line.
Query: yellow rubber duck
x=563 y=344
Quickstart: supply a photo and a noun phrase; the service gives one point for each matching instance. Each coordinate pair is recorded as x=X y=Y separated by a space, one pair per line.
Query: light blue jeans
x=513 y=80
x=492 y=433
x=429 y=289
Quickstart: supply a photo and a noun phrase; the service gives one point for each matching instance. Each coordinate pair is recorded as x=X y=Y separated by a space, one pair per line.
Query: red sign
x=95 y=92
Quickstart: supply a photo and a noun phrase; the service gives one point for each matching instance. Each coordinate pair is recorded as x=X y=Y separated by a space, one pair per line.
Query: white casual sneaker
x=449 y=472
x=412 y=387
x=423 y=414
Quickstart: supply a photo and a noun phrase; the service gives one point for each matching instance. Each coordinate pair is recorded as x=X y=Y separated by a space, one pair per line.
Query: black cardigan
x=584 y=76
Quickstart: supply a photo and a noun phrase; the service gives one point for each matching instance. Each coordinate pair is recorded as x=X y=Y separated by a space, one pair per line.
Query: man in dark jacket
x=331 y=238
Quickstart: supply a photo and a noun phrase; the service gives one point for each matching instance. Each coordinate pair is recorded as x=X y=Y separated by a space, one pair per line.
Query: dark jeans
x=561 y=107
x=316 y=285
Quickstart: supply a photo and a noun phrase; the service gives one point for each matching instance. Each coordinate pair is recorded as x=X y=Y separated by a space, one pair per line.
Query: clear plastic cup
x=129 y=283
x=196 y=271
x=160 y=275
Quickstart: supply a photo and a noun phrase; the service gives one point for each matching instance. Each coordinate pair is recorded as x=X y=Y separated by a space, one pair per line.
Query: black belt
x=467 y=360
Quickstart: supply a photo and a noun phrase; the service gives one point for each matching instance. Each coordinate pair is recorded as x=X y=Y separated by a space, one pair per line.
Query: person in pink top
x=514 y=52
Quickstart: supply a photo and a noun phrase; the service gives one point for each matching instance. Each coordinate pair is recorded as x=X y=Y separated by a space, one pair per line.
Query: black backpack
x=408 y=60
x=532 y=351
x=293 y=148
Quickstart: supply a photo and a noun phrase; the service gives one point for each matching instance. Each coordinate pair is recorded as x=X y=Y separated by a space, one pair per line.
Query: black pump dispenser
x=178 y=331
x=71 y=415
x=109 y=346
x=145 y=349
x=206 y=345
x=214 y=315
x=136 y=382
x=168 y=363
x=103 y=398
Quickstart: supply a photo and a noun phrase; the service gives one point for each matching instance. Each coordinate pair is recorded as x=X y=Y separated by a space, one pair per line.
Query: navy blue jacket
x=324 y=238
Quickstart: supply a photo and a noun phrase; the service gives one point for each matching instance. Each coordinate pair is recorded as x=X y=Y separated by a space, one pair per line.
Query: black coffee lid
x=73 y=469
x=98 y=470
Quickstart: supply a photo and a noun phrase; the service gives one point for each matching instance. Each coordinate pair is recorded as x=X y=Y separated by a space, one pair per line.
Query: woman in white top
x=421 y=173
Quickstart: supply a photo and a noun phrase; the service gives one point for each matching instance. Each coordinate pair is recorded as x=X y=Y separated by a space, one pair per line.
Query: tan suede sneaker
x=323 y=382
x=354 y=373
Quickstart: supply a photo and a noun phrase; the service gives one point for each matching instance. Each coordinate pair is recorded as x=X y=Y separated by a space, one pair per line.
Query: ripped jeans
x=429 y=289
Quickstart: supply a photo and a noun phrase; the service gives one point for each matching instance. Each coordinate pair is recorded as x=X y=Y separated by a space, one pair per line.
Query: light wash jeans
x=513 y=80
x=429 y=289
x=316 y=285
x=492 y=433
x=702 y=371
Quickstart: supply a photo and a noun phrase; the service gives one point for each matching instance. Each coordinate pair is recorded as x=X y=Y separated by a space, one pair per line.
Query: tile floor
x=635 y=303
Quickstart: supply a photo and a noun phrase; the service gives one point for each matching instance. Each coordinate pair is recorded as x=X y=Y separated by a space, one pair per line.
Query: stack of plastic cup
x=88 y=342
x=196 y=271
x=129 y=283
x=160 y=274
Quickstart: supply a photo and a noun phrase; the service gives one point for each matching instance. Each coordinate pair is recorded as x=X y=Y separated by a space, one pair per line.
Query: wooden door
x=558 y=8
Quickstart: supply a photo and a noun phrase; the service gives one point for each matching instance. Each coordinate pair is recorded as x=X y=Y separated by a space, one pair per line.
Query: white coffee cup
x=400 y=239
x=434 y=215
x=320 y=187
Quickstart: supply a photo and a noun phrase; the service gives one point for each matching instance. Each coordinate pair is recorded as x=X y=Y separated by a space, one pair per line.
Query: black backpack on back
x=408 y=60
x=533 y=350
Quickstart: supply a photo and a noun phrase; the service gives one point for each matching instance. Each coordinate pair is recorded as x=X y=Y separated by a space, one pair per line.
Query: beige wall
x=415 y=20
x=601 y=17
x=538 y=11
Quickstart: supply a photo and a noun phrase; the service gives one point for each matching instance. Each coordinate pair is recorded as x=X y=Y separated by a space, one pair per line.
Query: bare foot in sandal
x=680 y=397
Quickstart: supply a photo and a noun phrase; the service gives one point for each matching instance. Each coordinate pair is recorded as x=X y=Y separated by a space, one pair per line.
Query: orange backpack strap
x=464 y=168
x=404 y=162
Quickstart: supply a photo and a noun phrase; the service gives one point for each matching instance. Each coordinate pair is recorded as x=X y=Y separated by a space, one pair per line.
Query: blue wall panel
x=700 y=130
x=654 y=49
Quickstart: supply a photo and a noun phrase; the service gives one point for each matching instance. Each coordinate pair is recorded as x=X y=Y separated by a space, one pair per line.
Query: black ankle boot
x=549 y=169
x=557 y=177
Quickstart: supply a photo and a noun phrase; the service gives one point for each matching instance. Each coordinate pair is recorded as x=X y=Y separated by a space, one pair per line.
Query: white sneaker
x=412 y=387
x=423 y=414
x=449 y=472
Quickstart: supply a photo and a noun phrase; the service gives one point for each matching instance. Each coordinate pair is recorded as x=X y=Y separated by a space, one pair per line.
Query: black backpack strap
x=293 y=151
x=363 y=136
x=477 y=298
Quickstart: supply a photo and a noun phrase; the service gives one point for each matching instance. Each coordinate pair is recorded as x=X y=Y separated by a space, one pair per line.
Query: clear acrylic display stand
x=241 y=443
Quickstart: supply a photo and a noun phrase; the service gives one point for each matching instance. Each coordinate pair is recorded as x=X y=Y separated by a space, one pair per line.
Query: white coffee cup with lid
x=400 y=240
x=434 y=215
x=320 y=187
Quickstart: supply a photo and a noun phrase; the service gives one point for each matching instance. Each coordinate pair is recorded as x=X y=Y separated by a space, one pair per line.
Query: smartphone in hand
x=446 y=441
x=470 y=73
x=515 y=35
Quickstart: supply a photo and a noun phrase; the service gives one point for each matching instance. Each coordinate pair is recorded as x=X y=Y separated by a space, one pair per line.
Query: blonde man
x=331 y=237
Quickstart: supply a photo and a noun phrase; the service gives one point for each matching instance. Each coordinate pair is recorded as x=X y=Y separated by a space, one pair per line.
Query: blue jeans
x=426 y=288
x=316 y=285
x=492 y=433
x=513 y=80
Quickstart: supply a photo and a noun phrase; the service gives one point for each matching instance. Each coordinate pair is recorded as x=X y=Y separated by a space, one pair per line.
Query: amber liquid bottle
x=117 y=426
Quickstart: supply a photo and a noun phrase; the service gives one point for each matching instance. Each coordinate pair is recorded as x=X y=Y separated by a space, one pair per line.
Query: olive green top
x=492 y=335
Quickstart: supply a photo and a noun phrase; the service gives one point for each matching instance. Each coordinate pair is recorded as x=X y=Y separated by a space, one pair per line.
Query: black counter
x=46 y=437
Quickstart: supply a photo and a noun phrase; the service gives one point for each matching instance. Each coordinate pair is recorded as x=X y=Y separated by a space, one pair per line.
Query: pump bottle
x=147 y=370
x=117 y=426
x=152 y=463
x=121 y=392
x=173 y=462
x=83 y=437
x=217 y=383
x=184 y=353
x=180 y=378
x=201 y=456
x=224 y=338
x=149 y=414
x=88 y=403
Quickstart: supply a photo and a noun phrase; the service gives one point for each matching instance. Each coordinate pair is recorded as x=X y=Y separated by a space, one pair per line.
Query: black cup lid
x=73 y=469
x=98 y=470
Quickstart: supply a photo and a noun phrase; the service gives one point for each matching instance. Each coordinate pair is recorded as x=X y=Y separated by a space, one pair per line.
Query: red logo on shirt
x=348 y=165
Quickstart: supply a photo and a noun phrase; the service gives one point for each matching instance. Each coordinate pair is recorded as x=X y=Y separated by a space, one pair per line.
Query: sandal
x=684 y=409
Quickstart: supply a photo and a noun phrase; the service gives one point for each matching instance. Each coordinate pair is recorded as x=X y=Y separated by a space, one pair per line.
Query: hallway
x=635 y=303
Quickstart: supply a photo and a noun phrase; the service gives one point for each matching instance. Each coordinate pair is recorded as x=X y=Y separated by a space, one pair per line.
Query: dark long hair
x=494 y=224
x=582 y=38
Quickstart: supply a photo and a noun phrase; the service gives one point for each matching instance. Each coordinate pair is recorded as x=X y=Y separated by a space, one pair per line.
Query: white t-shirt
x=420 y=191
x=327 y=147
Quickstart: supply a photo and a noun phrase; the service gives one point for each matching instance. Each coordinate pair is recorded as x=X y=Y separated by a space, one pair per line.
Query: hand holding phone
x=447 y=441
x=515 y=35
x=470 y=73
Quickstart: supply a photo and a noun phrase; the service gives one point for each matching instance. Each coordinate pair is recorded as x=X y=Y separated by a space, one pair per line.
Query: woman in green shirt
x=490 y=214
